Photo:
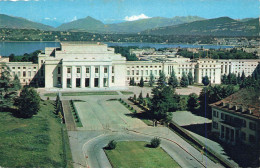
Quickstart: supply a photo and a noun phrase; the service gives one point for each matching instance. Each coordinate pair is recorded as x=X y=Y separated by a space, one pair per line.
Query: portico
x=83 y=65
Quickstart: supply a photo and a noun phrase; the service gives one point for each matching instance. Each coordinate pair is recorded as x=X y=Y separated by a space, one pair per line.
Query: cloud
x=47 y=18
x=136 y=17
x=74 y=18
x=18 y=0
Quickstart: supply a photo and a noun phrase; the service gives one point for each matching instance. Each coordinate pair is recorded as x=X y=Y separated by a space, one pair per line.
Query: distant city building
x=95 y=65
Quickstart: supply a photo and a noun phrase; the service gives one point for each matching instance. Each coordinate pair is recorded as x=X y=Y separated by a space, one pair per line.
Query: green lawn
x=136 y=154
x=35 y=142
x=89 y=93
x=127 y=92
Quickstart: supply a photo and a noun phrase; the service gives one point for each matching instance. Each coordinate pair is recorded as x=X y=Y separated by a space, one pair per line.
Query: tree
x=224 y=79
x=161 y=81
x=205 y=81
x=16 y=83
x=190 y=77
x=184 y=80
x=141 y=82
x=147 y=95
x=193 y=102
x=134 y=97
x=164 y=100
x=155 y=142
x=232 y=79
x=8 y=89
x=182 y=104
x=111 y=145
x=173 y=81
x=140 y=98
x=28 y=103
x=132 y=81
x=151 y=80
x=243 y=76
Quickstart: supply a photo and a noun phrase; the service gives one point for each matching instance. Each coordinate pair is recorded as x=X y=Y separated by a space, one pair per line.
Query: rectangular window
x=113 y=79
x=113 y=69
x=128 y=72
x=133 y=72
x=68 y=70
x=29 y=74
x=86 y=82
x=58 y=70
x=77 y=82
x=252 y=126
x=19 y=74
x=96 y=70
x=137 y=72
x=24 y=67
x=243 y=136
x=105 y=69
x=68 y=83
x=78 y=70
x=87 y=70
x=142 y=72
x=215 y=125
x=59 y=80
x=105 y=82
x=96 y=81
x=252 y=138
x=222 y=116
x=146 y=72
x=24 y=74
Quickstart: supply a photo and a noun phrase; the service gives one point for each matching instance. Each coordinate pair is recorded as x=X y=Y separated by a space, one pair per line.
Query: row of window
x=87 y=82
x=78 y=70
x=235 y=120
x=23 y=68
x=145 y=66
x=142 y=72
x=23 y=74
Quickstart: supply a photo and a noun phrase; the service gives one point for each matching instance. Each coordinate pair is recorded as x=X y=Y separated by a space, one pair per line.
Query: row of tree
x=172 y=80
x=26 y=104
x=32 y=57
x=218 y=54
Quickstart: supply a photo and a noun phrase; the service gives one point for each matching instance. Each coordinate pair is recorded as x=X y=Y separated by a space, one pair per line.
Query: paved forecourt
x=100 y=114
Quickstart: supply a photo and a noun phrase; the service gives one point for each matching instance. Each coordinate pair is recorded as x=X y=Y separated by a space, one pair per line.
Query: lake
x=19 y=48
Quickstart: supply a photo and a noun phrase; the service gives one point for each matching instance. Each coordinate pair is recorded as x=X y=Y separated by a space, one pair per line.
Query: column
x=109 y=78
x=101 y=76
x=92 y=76
x=73 y=77
x=82 y=76
x=64 y=77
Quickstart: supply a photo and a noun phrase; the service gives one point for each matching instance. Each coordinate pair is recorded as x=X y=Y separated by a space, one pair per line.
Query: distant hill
x=92 y=25
x=21 y=23
x=223 y=26
x=86 y=24
x=143 y=24
x=246 y=19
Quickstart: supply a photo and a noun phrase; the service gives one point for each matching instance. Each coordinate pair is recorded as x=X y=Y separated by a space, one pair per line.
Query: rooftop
x=244 y=102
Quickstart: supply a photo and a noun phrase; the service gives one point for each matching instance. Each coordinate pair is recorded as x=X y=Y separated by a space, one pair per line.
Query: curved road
x=96 y=157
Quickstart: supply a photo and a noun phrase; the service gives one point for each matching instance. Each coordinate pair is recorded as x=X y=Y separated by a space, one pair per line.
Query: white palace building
x=95 y=65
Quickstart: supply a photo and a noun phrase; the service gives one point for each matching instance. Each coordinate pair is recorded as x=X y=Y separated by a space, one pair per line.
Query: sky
x=56 y=12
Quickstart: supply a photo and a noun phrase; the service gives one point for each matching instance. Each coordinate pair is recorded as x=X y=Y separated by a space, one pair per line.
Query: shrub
x=111 y=144
x=48 y=98
x=155 y=142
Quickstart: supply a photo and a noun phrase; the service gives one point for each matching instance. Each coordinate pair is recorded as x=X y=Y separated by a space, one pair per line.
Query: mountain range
x=92 y=25
x=21 y=23
x=179 y=25
x=223 y=26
